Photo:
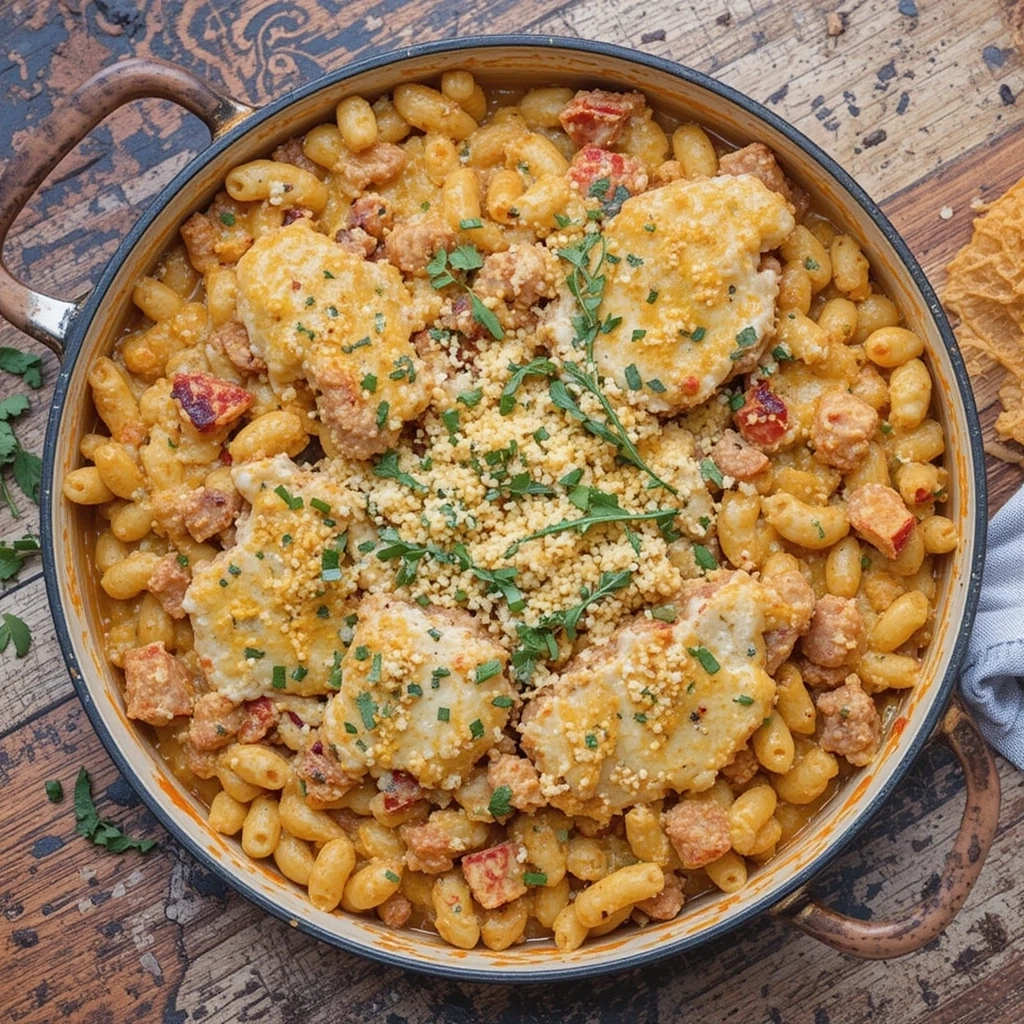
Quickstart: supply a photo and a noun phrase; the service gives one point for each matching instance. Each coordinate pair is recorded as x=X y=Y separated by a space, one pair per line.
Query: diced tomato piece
x=400 y=790
x=495 y=875
x=763 y=417
x=209 y=402
x=599 y=172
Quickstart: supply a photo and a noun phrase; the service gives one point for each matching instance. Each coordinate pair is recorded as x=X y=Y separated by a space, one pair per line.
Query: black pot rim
x=89 y=311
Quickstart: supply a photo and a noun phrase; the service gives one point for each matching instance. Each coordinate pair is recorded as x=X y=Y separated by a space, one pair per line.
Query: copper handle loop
x=39 y=315
x=881 y=940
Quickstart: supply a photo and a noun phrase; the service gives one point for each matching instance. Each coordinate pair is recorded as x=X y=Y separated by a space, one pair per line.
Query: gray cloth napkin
x=992 y=676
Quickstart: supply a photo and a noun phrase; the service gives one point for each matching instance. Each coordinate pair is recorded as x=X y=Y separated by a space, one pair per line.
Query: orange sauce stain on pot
x=175 y=798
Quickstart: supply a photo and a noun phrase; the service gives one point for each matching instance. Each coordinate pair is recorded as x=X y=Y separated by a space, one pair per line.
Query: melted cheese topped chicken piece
x=660 y=708
x=268 y=613
x=316 y=312
x=682 y=273
x=424 y=691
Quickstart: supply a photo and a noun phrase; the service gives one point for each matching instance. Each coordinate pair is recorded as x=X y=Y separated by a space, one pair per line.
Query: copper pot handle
x=880 y=940
x=45 y=318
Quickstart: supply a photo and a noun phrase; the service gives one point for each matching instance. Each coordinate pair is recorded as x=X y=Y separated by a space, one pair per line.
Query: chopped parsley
x=500 y=803
x=707 y=660
x=98 y=830
x=367 y=708
x=487 y=670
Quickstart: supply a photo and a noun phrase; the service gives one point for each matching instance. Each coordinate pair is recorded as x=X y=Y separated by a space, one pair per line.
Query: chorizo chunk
x=207 y=402
x=381 y=162
x=324 y=779
x=372 y=214
x=427 y=848
x=521 y=275
x=759 y=161
x=836 y=633
x=208 y=511
x=521 y=777
x=158 y=687
x=395 y=910
x=260 y=717
x=233 y=340
x=880 y=516
x=596 y=117
x=412 y=245
x=698 y=831
x=842 y=428
x=667 y=904
x=168 y=583
x=737 y=458
x=200 y=238
x=215 y=721
x=291 y=152
x=817 y=677
x=742 y=768
x=357 y=241
x=851 y=726
x=764 y=417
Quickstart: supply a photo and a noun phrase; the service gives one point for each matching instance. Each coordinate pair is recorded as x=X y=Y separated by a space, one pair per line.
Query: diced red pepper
x=495 y=875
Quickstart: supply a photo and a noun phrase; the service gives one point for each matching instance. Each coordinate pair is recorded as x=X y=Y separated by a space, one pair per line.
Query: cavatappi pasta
x=517 y=513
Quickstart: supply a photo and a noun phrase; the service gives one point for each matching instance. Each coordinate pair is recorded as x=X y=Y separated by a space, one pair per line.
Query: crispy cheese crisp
x=985 y=289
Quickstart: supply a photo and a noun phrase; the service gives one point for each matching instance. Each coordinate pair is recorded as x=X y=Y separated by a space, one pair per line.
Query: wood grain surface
x=920 y=99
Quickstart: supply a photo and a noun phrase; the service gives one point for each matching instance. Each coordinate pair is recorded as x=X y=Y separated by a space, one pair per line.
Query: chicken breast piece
x=317 y=312
x=269 y=613
x=424 y=691
x=660 y=708
x=684 y=277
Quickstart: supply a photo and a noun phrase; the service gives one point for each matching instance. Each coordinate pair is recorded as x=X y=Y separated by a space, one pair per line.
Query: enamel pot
x=81 y=331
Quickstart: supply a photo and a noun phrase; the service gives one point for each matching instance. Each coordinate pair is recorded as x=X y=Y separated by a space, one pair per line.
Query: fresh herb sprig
x=599 y=508
x=21 y=364
x=26 y=468
x=540 y=643
x=447 y=268
x=98 y=830
x=387 y=468
x=15 y=554
x=15 y=631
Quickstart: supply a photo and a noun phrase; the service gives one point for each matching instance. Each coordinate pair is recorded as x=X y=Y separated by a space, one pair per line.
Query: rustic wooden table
x=917 y=98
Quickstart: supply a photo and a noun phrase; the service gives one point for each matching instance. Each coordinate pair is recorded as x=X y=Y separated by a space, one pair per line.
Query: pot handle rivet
x=882 y=939
x=41 y=316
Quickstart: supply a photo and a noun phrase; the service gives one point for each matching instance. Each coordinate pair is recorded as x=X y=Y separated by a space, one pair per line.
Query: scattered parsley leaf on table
x=13 y=555
x=26 y=467
x=28 y=367
x=13 y=630
x=54 y=791
x=98 y=830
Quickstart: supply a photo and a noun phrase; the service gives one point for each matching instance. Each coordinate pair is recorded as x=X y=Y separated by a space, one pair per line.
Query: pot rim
x=552 y=970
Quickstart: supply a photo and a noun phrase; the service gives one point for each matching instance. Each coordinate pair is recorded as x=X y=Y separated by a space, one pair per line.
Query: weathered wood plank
x=94 y=937
x=886 y=96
